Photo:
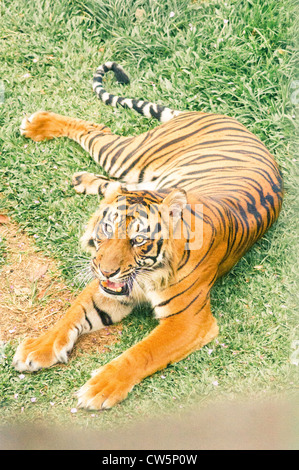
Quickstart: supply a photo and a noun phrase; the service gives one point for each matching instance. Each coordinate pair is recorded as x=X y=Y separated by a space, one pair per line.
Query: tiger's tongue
x=113 y=285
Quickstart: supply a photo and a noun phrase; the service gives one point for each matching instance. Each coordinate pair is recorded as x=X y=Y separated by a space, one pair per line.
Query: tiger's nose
x=108 y=274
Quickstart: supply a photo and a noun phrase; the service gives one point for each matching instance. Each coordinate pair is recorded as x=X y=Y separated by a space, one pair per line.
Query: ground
x=33 y=295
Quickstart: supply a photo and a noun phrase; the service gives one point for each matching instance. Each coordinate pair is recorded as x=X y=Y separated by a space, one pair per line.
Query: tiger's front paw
x=42 y=352
x=88 y=183
x=108 y=386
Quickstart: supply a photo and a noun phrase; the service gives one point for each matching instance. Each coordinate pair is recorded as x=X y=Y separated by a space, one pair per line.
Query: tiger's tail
x=162 y=113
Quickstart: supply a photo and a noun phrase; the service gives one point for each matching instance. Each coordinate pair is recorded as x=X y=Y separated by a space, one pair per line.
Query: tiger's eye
x=108 y=230
x=138 y=240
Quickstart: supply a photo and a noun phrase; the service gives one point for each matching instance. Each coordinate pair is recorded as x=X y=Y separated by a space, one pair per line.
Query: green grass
x=191 y=60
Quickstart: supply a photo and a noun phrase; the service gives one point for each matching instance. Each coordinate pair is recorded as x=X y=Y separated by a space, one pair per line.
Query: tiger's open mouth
x=116 y=288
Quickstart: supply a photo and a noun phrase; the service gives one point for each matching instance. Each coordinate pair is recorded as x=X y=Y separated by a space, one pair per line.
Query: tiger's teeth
x=111 y=287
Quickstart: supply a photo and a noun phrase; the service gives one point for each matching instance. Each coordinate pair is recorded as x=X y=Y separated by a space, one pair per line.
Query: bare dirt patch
x=33 y=295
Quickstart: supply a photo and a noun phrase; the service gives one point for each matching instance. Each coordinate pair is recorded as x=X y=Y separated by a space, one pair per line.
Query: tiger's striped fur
x=203 y=167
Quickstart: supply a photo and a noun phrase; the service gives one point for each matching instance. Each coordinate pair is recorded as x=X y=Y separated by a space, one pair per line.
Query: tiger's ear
x=176 y=201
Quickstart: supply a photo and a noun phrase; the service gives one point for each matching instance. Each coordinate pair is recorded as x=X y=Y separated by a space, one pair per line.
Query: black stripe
x=118 y=150
x=103 y=151
x=87 y=319
x=106 y=319
x=93 y=138
x=165 y=302
x=190 y=303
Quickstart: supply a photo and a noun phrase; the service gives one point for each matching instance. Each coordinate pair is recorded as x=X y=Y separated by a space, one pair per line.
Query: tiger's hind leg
x=44 y=125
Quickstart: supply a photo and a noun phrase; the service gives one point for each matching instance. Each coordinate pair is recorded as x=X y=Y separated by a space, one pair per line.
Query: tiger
x=181 y=204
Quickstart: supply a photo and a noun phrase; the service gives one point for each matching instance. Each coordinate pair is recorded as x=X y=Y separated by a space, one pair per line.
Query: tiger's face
x=131 y=240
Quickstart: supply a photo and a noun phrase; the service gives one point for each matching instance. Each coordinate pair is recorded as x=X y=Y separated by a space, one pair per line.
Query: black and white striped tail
x=162 y=113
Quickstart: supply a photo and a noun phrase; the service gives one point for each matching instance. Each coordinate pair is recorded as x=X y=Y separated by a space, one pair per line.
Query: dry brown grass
x=33 y=296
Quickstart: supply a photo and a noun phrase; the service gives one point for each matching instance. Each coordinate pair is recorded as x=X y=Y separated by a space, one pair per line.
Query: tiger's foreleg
x=90 y=311
x=172 y=340
x=89 y=183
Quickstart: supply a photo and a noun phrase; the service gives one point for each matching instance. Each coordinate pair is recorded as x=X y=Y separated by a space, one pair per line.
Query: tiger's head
x=132 y=239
